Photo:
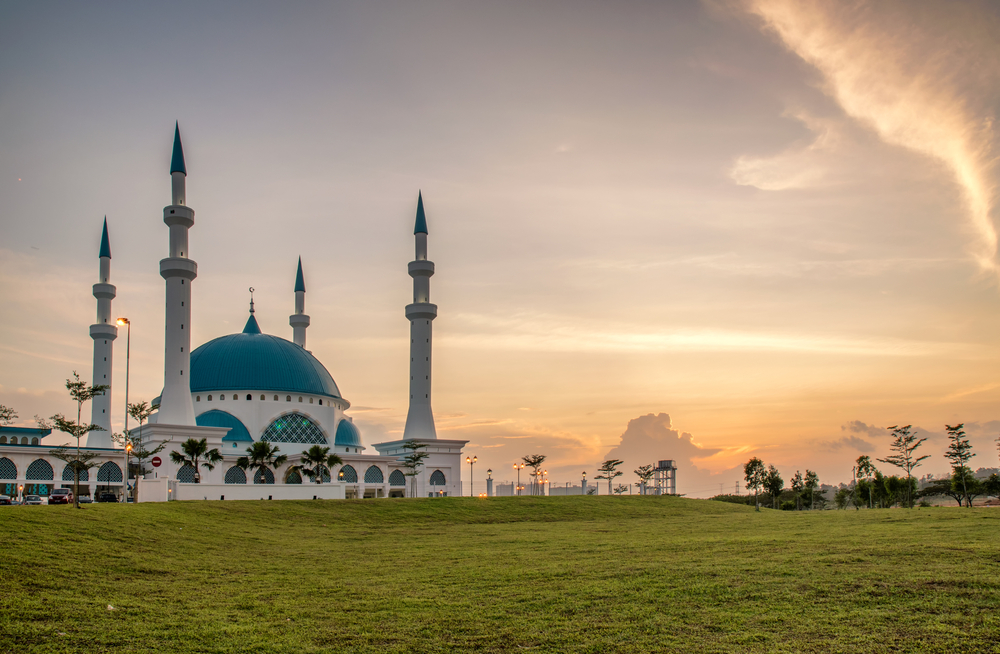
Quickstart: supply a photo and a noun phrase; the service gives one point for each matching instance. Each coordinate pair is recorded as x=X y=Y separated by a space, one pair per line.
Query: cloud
x=850 y=443
x=801 y=166
x=911 y=75
x=651 y=438
x=858 y=427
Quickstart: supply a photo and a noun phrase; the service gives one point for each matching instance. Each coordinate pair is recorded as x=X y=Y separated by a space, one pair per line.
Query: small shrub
x=788 y=506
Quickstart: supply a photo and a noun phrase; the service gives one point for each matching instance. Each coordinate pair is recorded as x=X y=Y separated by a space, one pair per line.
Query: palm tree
x=262 y=455
x=321 y=460
x=191 y=454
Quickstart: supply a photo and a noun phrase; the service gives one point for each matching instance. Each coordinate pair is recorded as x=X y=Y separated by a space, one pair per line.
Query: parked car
x=33 y=500
x=86 y=499
x=107 y=497
x=61 y=496
x=5 y=501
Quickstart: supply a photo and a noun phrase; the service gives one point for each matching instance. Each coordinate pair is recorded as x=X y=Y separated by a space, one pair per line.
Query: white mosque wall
x=162 y=490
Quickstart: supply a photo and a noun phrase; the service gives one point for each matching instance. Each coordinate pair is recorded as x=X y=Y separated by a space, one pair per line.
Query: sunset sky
x=699 y=231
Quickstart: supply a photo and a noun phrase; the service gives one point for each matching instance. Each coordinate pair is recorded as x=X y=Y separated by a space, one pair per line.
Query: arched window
x=397 y=478
x=39 y=469
x=288 y=398
x=249 y=397
x=294 y=428
x=34 y=441
x=236 y=397
x=293 y=477
x=350 y=475
x=321 y=402
x=24 y=441
x=186 y=474
x=300 y=398
x=275 y=398
x=209 y=398
x=197 y=398
x=310 y=400
x=7 y=469
x=67 y=474
x=437 y=478
x=3 y=440
x=263 y=476
x=261 y=397
x=109 y=472
x=222 y=397
x=373 y=475
x=235 y=475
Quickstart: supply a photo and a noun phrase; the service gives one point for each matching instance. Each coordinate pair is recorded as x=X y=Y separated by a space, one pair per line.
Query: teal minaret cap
x=421 y=226
x=177 y=161
x=300 y=282
x=105 y=241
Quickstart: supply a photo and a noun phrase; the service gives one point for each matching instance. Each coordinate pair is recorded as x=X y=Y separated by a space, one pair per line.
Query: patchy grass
x=561 y=574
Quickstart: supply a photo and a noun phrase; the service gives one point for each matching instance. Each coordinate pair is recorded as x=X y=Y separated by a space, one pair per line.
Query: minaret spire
x=299 y=320
x=420 y=417
x=104 y=332
x=178 y=270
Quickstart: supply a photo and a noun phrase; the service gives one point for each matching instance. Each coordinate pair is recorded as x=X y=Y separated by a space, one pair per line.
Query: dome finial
x=177 y=160
x=251 y=327
x=251 y=300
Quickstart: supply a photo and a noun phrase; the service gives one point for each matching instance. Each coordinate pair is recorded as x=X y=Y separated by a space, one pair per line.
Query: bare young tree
x=865 y=469
x=904 y=444
x=797 y=488
x=81 y=392
x=608 y=471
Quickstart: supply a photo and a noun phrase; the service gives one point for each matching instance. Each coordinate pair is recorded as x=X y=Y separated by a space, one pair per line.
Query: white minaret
x=104 y=333
x=299 y=320
x=420 y=417
x=179 y=271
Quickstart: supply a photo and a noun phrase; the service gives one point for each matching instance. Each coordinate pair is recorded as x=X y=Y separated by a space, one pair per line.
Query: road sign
x=156 y=462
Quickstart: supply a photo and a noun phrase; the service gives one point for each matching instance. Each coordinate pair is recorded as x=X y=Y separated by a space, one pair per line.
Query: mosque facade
x=243 y=388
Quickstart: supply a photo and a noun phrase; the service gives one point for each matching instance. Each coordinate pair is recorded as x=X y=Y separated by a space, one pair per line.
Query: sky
x=699 y=231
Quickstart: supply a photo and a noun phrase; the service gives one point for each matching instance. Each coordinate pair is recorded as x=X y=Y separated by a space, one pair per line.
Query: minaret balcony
x=103 y=330
x=104 y=291
x=421 y=268
x=178 y=267
x=298 y=320
x=421 y=311
x=178 y=214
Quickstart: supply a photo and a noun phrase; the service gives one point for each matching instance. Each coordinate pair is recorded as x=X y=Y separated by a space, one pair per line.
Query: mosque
x=243 y=388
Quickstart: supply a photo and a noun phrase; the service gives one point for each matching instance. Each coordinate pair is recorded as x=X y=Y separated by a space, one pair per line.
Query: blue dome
x=347 y=434
x=216 y=418
x=253 y=361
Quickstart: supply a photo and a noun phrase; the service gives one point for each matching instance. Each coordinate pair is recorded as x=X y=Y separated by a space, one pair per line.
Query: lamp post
x=583 y=484
x=471 y=461
x=125 y=322
x=489 y=482
x=518 y=467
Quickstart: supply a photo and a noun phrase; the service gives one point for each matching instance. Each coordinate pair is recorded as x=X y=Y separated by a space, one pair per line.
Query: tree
x=620 y=488
x=842 y=498
x=413 y=461
x=534 y=461
x=941 y=487
x=811 y=484
x=7 y=415
x=991 y=487
x=866 y=470
x=904 y=444
x=321 y=460
x=644 y=473
x=959 y=452
x=773 y=483
x=140 y=412
x=797 y=487
x=754 y=474
x=963 y=480
x=261 y=455
x=191 y=454
x=608 y=471
x=81 y=393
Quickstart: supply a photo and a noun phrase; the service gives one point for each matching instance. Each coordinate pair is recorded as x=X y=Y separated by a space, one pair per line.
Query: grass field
x=561 y=574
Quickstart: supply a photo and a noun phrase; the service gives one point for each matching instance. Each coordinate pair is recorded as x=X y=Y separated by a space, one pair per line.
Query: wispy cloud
x=898 y=71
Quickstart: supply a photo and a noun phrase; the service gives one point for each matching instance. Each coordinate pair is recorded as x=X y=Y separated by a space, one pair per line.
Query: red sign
x=156 y=462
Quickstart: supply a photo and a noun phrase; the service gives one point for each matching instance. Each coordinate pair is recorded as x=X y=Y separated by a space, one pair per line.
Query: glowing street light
x=471 y=461
x=519 y=467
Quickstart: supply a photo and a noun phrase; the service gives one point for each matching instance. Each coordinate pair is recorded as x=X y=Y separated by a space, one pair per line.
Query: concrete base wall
x=162 y=489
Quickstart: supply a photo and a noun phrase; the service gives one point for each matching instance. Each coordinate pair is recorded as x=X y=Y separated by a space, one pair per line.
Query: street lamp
x=583 y=484
x=471 y=461
x=125 y=322
x=519 y=467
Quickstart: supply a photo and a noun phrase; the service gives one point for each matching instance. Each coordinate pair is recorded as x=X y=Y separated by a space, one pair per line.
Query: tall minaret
x=179 y=271
x=299 y=320
x=104 y=334
x=420 y=417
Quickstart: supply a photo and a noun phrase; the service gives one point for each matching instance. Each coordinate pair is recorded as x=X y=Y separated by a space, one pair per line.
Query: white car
x=33 y=499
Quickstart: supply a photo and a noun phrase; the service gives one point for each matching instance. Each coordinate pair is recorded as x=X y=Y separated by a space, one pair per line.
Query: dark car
x=61 y=496
x=5 y=500
x=86 y=499
x=107 y=497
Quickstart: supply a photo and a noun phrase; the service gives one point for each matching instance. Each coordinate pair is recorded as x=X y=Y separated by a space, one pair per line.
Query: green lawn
x=561 y=574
